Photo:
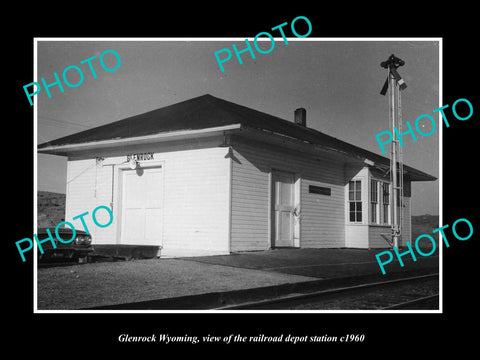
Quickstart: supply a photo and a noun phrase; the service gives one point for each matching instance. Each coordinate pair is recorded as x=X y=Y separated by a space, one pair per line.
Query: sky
x=338 y=82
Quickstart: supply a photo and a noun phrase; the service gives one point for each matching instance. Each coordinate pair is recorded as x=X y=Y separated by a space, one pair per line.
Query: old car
x=76 y=251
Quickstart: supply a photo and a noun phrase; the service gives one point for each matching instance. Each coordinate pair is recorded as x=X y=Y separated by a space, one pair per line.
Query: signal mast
x=394 y=83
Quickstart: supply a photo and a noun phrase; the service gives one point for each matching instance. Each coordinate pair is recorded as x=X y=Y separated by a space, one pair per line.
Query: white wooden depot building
x=207 y=176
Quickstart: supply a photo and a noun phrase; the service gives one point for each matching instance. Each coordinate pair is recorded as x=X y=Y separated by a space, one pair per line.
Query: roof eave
x=367 y=160
x=67 y=149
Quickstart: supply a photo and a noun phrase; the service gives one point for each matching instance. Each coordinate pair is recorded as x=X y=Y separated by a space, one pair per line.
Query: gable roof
x=206 y=112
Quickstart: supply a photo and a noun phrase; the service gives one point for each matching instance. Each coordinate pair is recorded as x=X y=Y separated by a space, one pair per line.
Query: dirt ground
x=96 y=284
x=109 y=283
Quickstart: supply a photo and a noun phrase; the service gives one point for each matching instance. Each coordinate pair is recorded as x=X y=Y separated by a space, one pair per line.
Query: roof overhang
x=69 y=149
x=260 y=135
x=296 y=145
x=375 y=161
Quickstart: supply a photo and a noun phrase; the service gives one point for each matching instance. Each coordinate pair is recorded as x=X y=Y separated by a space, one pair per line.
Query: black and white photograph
x=205 y=189
x=227 y=178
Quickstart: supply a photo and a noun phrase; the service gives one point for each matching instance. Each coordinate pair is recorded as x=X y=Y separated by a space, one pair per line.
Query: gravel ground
x=375 y=299
x=109 y=283
x=95 y=284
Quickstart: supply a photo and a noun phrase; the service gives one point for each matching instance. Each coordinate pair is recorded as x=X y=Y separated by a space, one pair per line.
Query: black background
x=386 y=334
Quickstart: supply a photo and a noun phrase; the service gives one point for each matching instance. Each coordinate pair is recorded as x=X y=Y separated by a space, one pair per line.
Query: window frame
x=386 y=214
x=356 y=202
x=383 y=210
x=375 y=202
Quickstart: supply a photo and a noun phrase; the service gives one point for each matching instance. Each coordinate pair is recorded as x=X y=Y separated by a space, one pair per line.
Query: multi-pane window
x=374 y=201
x=385 y=202
x=379 y=202
x=355 y=200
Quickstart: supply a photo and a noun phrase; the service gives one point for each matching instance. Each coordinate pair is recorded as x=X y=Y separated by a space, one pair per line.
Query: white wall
x=375 y=239
x=202 y=182
x=322 y=217
x=80 y=193
x=196 y=197
x=356 y=236
x=366 y=234
x=196 y=202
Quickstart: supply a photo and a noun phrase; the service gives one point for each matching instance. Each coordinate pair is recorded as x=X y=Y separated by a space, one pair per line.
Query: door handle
x=296 y=211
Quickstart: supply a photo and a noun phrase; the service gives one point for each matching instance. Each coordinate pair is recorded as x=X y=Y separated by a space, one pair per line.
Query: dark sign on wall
x=319 y=190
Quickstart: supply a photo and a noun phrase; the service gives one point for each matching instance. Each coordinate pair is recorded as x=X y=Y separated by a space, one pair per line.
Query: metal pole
x=393 y=113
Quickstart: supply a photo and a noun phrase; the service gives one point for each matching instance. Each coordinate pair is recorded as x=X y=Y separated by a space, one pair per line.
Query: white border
x=440 y=173
x=330 y=39
x=35 y=178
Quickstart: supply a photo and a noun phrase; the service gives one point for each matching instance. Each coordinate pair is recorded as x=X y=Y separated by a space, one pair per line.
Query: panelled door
x=283 y=208
x=142 y=207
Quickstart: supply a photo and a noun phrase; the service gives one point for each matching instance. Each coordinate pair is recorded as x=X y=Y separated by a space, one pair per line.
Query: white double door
x=142 y=206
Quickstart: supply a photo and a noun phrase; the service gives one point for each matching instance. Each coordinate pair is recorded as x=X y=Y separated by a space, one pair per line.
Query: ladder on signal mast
x=394 y=84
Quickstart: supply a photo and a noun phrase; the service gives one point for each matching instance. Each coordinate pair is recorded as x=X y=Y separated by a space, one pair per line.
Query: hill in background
x=50 y=208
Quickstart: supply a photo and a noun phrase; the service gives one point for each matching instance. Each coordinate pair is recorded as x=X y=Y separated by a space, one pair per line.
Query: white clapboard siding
x=250 y=201
x=103 y=197
x=196 y=202
x=357 y=236
x=376 y=240
x=80 y=193
x=322 y=217
x=196 y=197
x=88 y=187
